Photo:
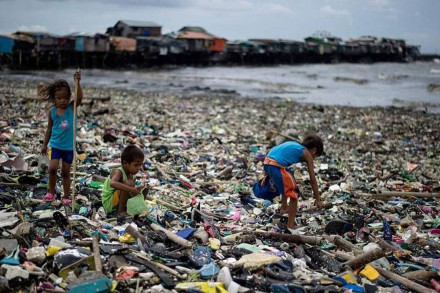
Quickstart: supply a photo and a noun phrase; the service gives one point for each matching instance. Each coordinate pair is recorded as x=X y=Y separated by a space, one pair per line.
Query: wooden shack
x=134 y=28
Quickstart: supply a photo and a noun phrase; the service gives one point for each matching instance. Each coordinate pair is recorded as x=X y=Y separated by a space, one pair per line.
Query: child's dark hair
x=47 y=92
x=131 y=153
x=314 y=141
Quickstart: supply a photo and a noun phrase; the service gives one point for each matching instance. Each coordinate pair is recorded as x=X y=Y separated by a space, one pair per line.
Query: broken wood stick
x=299 y=239
x=173 y=237
x=225 y=172
x=343 y=255
x=161 y=266
x=135 y=234
x=404 y=281
x=426 y=242
x=96 y=254
x=343 y=244
x=365 y=258
x=168 y=205
x=385 y=194
x=422 y=275
x=164 y=175
x=383 y=244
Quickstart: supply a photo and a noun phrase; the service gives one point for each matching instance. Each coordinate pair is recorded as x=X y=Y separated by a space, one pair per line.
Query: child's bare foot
x=284 y=210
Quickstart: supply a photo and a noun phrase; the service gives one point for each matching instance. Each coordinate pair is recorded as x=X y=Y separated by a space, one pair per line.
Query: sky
x=417 y=22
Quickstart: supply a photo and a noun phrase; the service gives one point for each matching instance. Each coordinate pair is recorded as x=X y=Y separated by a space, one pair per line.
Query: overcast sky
x=417 y=21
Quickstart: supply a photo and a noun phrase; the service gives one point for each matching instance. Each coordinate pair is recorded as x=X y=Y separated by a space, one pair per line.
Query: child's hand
x=77 y=75
x=318 y=204
x=44 y=150
x=140 y=187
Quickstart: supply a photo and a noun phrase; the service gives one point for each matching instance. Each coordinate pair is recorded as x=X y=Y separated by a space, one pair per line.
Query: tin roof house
x=134 y=28
x=199 y=40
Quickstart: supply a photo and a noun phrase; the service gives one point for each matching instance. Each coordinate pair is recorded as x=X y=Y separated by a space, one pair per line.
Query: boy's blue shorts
x=56 y=154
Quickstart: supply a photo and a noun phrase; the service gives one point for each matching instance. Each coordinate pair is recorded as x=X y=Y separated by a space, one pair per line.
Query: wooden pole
x=343 y=244
x=74 y=143
x=299 y=239
x=135 y=233
x=404 y=281
x=173 y=237
x=422 y=275
x=365 y=258
x=96 y=254
x=389 y=194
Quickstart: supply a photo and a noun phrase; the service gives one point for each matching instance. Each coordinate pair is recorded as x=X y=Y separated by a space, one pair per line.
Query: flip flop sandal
x=49 y=197
x=281 y=270
x=209 y=271
x=202 y=256
x=286 y=288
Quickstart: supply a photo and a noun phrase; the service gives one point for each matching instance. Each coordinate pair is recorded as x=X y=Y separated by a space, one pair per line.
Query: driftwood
x=161 y=266
x=299 y=239
x=421 y=275
x=343 y=244
x=168 y=205
x=342 y=255
x=385 y=194
x=225 y=172
x=135 y=234
x=426 y=242
x=82 y=243
x=164 y=175
x=215 y=182
x=365 y=258
x=383 y=244
x=170 y=235
x=96 y=254
x=404 y=281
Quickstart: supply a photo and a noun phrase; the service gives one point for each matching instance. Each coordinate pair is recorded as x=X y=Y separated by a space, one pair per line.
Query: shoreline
x=209 y=149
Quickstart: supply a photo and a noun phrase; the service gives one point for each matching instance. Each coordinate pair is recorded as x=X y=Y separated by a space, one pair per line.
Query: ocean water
x=379 y=84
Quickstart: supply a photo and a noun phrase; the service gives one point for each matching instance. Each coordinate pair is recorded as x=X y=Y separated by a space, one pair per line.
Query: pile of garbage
x=204 y=231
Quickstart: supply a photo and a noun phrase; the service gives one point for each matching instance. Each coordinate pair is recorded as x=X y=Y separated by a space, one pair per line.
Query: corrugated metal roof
x=19 y=37
x=138 y=23
x=195 y=35
x=195 y=29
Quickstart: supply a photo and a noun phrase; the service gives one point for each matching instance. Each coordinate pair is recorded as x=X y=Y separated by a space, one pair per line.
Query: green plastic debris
x=136 y=205
x=96 y=184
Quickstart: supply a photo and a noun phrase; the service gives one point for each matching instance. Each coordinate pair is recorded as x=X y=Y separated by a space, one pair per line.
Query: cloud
x=328 y=10
x=33 y=28
x=147 y=3
x=380 y=4
x=223 y=5
x=278 y=9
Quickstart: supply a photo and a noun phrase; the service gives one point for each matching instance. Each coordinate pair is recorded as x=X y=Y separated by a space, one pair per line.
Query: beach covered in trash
x=204 y=231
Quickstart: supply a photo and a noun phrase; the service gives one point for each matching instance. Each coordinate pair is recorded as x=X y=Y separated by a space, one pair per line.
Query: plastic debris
x=379 y=180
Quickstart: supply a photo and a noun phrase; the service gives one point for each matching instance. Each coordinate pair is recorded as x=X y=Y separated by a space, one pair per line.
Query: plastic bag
x=265 y=188
x=43 y=164
x=136 y=205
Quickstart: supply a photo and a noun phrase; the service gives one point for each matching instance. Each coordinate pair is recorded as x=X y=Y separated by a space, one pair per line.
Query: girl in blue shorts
x=59 y=133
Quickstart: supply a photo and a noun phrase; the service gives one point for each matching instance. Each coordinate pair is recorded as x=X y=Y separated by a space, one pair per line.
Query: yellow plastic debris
x=349 y=278
x=126 y=238
x=205 y=287
x=214 y=243
x=81 y=157
x=52 y=250
x=370 y=273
